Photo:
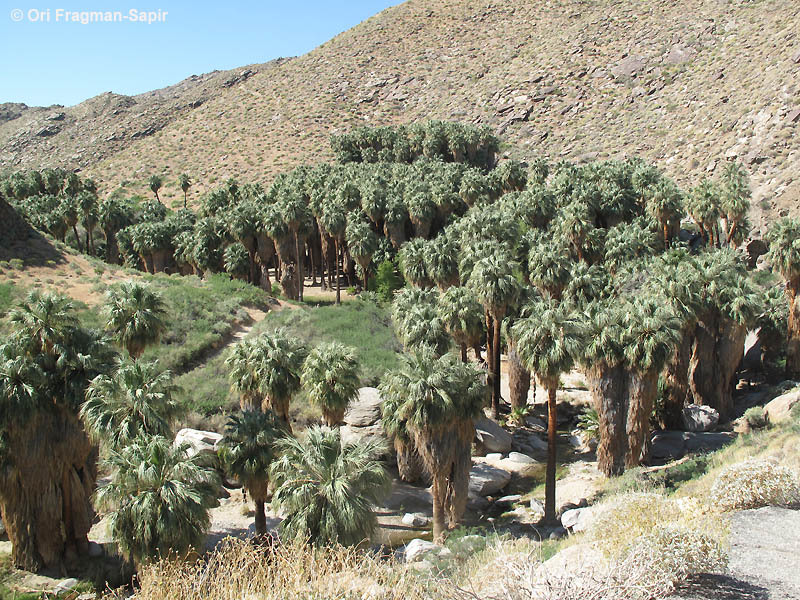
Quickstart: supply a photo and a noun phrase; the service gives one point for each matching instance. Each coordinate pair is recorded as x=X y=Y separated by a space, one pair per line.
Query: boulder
x=707 y=441
x=508 y=501
x=416 y=549
x=699 y=418
x=675 y=444
x=364 y=410
x=577 y=519
x=521 y=458
x=198 y=441
x=491 y=436
x=65 y=585
x=95 y=550
x=485 y=479
x=667 y=445
x=779 y=408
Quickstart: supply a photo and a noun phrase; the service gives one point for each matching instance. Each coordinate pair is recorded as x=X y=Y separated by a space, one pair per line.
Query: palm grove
x=609 y=267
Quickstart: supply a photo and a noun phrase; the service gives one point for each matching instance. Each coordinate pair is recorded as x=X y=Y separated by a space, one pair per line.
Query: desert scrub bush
x=279 y=571
x=756 y=417
x=755 y=483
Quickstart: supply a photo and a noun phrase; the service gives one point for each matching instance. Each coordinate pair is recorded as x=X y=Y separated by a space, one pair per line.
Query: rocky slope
x=688 y=85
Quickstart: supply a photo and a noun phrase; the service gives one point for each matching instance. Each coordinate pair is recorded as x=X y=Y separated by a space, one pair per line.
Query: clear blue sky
x=59 y=62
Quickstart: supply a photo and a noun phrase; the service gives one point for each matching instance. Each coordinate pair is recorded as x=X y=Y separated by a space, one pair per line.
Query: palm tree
x=247 y=451
x=155 y=184
x=268 y=367
x=652 y=331
x=410 y=467
x=296 y=213
x=441 y=261
x=71 y=213
x=784 y=254
x=438 y=399
x=549 y=268
x=330 y=378
x=158 y=498
x=462 y=316
x=412 y=262
x=48 y=470
x=137 y=399
x=135 y=316
x=547 y=339
x=87 y=202
x=328 y=488
x=420 y=326
x=185 y=183
x=493 y=282
x=333 y=220
x=363 y=243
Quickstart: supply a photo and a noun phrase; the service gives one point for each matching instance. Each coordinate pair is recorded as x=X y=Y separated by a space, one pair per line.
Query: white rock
x=577 y=519
x=508 y=500
x=351 y=434
x=415 y=520
x=364 y=410
x=491 y=436
x=699 y=418
x=485 y=479
x=519 y=457
x=198 y=441
x=66 y=585
x=416 y=549
x=494 y=456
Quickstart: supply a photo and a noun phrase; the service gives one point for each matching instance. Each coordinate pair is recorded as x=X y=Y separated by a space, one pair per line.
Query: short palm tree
x=158 y=498
x=185 y=183
x=137 y=399
x=438 y=400
x=267 y=367
x=248 y=450
x=328 y=488
x=155 y=184
x=330 y=378
x=462 y=316
x=547 y=340
x=494 y=284
x=135 y=316
x=412 y=262
x=441 y=261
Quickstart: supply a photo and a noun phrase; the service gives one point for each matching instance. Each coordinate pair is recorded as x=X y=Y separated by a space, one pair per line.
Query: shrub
x=756 y=417
x=755 y=483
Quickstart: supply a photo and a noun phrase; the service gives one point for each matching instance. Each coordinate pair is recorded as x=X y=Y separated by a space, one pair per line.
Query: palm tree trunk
x=496 y=382
x=77 y=238
x=338 y=278
x=261 y=517
x=409 y=463
x=477 y=349
x=184 y=198
x=676 y=380
x=519 y=380
x=439 y=492
x=643 y=389
x=552 y=449
x=609 y=392
x=793 y=333
x=299 y=268
x=464 y=353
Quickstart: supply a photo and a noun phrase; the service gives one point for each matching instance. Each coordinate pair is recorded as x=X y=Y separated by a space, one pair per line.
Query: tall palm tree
x=158 y=498
x=155 y=184
x=652 y=331
x=410 y=467
x=438 y=399
x=547 y=339
x=549 y=268
x=185 y=183
x=333 y=220
x=441 y=261
x=267 y=367
x=493 y=282
x=328 y=488
x=71 y=213
x=412 y=262
x=247 y=451
x=462 y=316
x=48 y=470
x=87 y=202
x=135 y=316
x=137 y=399
x=784 y=254
x=330 y=378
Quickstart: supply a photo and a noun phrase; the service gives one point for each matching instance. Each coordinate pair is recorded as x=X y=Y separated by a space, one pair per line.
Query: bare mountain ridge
x=686 y=84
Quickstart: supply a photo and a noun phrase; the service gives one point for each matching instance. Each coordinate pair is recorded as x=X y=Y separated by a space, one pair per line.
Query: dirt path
x=765 y=545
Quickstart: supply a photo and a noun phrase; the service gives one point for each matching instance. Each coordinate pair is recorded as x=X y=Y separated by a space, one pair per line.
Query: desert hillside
x=685 y=84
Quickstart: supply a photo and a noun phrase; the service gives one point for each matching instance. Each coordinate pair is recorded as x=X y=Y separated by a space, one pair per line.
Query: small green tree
x=328 y=488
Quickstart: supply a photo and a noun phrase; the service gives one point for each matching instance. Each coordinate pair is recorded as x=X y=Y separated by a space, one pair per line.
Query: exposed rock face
x=13 y=228
x=365 y=410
